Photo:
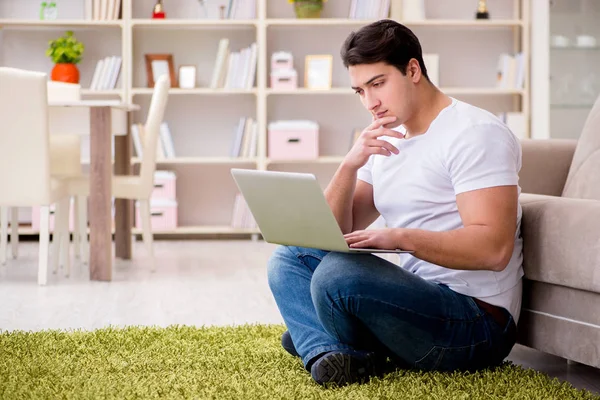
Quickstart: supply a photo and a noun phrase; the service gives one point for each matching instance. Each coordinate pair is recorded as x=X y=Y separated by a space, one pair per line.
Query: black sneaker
x=288 y=345
x=344 y=367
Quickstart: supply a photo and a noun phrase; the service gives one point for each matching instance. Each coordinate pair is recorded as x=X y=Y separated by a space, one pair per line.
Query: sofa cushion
x=561 y=241
x=583 y=181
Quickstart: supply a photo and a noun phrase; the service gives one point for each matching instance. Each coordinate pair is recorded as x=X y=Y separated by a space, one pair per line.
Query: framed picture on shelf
x=317 y=71
x=157 y=65
x=187 y=76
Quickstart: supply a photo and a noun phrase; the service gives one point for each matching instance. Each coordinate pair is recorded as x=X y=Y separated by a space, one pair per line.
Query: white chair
x=25 y=159
x=65 y=161
x=138 y=187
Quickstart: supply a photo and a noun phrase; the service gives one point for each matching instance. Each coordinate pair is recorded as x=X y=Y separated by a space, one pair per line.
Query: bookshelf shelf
x=193 y=23
x=320 y=160
x=110 y=92
x=196 y=91
x=205 y=122
x=58 y=24
x=359 y=22
x=201 y=160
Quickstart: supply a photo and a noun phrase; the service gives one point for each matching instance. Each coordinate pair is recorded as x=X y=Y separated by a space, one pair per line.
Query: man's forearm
x=340 y=193
x=473 y=247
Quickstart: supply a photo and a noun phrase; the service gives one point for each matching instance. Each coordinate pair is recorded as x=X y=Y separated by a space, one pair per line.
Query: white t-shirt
x=465 y=148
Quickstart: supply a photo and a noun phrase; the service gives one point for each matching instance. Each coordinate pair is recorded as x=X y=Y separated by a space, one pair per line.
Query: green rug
x=243 y=362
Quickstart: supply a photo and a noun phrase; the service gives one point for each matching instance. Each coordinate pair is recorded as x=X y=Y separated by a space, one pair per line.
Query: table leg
x=100 y=216
x=123 y=207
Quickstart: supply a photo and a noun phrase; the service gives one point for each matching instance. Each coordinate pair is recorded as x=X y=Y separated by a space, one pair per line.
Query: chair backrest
x=65 y=150
x=583 y=181
x=24 y=154
x=151 y=132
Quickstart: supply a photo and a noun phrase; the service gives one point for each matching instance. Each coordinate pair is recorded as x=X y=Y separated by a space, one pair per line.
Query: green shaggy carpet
x=244 y=362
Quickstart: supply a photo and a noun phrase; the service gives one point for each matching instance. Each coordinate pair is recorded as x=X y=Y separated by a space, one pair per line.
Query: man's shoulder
x=468 y=115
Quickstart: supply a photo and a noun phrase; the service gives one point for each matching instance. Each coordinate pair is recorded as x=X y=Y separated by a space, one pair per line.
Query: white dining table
x=75 y=117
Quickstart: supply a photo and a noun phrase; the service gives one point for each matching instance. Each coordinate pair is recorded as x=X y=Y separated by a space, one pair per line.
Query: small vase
x=65 y=73
x=308 y=9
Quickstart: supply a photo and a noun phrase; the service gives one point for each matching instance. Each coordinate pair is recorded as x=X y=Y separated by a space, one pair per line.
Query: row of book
x=242 y=217
x=106 y=73
x=241 y=9
x=245 y=140
x=234 y=69
x=511 y=71
x=369 y=9
x=164 y=146
x=102 y=10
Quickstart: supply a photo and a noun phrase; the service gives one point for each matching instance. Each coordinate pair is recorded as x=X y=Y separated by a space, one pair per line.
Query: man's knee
x=337 y=274
x=281 y=257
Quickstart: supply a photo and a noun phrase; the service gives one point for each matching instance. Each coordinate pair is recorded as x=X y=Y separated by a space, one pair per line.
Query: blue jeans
x=332 y=301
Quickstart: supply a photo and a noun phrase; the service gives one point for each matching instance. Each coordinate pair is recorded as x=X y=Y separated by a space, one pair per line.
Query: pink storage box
x=164 y=185
x=293 y=140
x=35 y=218
x=282 y=60
x=284 y=79
x=163 y=215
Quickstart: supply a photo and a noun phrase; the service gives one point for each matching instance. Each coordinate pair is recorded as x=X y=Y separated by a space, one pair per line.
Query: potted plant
x=65 y=52
x=308 y=8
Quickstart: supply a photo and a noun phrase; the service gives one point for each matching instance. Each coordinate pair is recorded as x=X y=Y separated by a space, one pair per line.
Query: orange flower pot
x=65 y=73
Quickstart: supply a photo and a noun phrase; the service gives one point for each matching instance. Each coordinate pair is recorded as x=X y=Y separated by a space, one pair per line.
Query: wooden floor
x=197 y=283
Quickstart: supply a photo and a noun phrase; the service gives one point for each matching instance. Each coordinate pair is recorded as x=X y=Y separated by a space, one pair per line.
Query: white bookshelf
x=202 y=120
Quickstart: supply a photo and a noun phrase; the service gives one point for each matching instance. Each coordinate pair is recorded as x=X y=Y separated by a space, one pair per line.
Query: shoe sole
x=341 y=369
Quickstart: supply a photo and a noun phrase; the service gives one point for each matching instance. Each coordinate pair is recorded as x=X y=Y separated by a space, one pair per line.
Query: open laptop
x=290 y=209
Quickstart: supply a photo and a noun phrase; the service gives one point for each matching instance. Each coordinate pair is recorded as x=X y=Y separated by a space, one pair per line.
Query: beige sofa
x=560 y=181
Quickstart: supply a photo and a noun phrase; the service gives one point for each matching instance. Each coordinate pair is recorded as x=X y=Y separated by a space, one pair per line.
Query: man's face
x=383 y=90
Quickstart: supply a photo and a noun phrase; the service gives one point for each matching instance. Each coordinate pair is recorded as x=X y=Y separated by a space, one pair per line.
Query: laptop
x=290 y=209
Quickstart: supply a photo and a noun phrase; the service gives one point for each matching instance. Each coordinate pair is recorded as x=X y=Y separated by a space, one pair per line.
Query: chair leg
x=81 y=212
x=3 y=233
x=65 y=259
x=44 y=244
x=147 y=230
x=56 y=237
x=76 y=230
x=14 y=232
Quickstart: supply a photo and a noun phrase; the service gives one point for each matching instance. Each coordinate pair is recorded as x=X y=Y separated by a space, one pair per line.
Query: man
x=444 y=176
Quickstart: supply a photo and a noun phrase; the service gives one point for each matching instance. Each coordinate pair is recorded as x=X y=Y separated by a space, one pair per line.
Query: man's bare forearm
x=340 y=194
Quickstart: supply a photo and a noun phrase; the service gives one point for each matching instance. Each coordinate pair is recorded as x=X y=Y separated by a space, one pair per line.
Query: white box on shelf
x=282 y=60
x=297 y=139
x=163 y=215
x=284 y=79
x=164 y=185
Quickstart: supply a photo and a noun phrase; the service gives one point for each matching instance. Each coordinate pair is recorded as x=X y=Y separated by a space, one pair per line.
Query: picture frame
x=157 y=65
x=187 y=76
x=318 y=71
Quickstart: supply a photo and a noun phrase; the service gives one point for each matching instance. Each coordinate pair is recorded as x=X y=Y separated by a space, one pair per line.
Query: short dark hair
x=386 y=41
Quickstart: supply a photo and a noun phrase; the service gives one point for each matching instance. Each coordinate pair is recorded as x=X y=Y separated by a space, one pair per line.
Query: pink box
x=164 y=185
x=284 y=79
x=35 y=218
x=293 y=140
x=163 y=215
x=282 y=60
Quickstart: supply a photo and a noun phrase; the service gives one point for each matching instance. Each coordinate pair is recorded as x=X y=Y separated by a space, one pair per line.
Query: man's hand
x=368 y=143
x=387 y=239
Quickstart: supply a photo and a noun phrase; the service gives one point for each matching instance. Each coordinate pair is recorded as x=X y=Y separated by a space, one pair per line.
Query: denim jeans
x=332 y=301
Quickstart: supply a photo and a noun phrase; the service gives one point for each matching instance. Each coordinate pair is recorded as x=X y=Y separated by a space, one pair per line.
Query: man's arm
x=351 y=200
x=485 y=243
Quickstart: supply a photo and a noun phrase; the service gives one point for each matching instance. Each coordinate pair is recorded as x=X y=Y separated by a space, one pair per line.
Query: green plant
x=66 y=49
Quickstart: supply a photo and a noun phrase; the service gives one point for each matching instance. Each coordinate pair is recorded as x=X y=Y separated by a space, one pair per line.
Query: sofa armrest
x=561 y=241
x=546 y=165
